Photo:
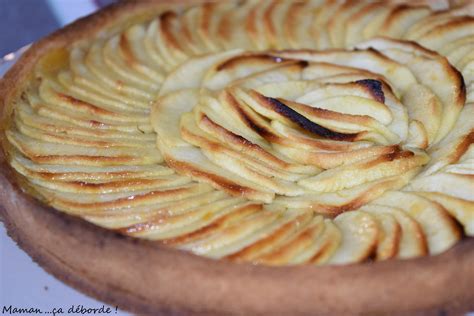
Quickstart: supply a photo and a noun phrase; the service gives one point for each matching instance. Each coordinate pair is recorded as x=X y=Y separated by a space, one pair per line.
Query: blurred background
x=26 y=21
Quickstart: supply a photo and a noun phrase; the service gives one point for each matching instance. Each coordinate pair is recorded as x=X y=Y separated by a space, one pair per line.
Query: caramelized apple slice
x=438 y=226
x=461 y=210
x=412 y=241
x=359 y=237
x=389 y=235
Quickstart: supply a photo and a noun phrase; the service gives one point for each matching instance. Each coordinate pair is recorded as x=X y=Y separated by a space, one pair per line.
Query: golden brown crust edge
x=143 y=277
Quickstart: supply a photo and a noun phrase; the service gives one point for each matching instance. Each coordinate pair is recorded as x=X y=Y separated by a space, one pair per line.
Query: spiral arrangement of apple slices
x=274 y=132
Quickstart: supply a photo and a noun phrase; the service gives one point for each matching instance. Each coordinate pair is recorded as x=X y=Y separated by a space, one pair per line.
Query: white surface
x=23 y=284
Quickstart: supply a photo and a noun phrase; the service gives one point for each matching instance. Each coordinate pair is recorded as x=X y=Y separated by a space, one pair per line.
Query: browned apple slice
x=351 y=175
x=28 y=116
x=53 y=94
x=240 y=235
x=457 y=185
x=448 y=87
x=455 y=144
x=171 y=47
x=167 y=113
x=438 y=226
x=161 y=220
x=321 y=17
x=123 y=218
x=461 y=210
x=171 y=228
x=353 y=105
x=331 y=159
x=283 y=73
x=359 y=21
x=118 y=91
x=78 y=173
x=150 y=46
x=399 y=76
x=241 y=128
x=275 y=13
x=97 y=202
x=119 y=57
x=271 y=245
x=389 y=234
x=400 y=19
x=132 y=86
x=417 y=135
x=289 y=251
x=238 y=67
x=131 y=185
x=458 y=49
x=235 y=161
x=230 y=30
x=323 y=247
x=359 y=237
x=348 y=199
x=190 y=23
x=429 y=22
x=56 y=153
x=324 y=123
x=254 y=25
x=375 y=22
x=191 y=73
x=436 y=37
x=336 y=25
x=412 y=242
x=209 y=21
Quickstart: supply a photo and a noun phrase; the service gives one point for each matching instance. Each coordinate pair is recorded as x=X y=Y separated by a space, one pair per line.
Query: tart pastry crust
x=147 y=277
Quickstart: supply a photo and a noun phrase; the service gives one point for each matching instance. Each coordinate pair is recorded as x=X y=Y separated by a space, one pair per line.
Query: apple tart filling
x=271 y=132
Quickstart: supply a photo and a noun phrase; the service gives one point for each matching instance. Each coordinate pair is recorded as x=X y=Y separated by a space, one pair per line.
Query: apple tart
x=270 y=132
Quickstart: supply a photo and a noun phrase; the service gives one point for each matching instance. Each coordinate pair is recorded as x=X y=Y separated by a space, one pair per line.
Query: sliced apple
x=457 y=185
x=167 y=113
x=167 y=228
x=299 y=243
x=368 y=170
x=236 y=162
x=348 y=199
x=336 y=25
x=190 y=161
x=461 y=210
x=400 y=19
x=254 y=25
x=353 y=105
x=225 y=72
x=412 y=241
x=438 y=226
x=191 y=73
x=156 y=224
x=359 y=237
x=389 y=235
x=436 y=37
x=427 y=67
x=417 y=135
x=455 y=144
x=271 y=245
x=400 y=77
x=299 y=26
x=322 y=248
x=240 y=235
x=357 y=23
